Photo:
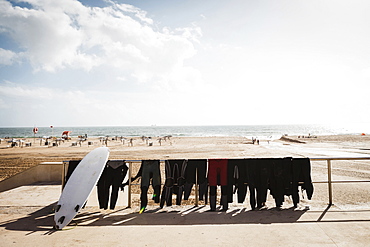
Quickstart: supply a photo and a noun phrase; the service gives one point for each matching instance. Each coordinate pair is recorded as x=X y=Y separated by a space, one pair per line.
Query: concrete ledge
x=44 y=172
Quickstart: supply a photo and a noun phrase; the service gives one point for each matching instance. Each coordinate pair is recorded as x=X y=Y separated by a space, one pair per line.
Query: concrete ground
x=27 y=218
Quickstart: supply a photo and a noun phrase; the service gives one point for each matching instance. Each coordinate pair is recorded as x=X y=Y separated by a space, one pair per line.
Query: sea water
x=258 y=131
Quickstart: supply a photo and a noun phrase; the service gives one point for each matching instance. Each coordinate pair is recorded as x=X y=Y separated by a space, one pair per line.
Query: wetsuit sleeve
x=139 y=173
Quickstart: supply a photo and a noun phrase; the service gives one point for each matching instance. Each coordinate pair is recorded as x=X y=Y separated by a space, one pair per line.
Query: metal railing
x=329 y=181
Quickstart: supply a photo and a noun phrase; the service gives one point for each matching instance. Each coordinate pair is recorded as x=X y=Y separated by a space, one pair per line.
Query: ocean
x=260 y=131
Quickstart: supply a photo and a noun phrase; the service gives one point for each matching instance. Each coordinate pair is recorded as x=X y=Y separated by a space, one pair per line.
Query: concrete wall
x=44 y=172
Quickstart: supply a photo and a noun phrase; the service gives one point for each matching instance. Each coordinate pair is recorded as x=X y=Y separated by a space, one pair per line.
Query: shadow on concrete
x=191 y=216
x=40 y=220
x=43 y=219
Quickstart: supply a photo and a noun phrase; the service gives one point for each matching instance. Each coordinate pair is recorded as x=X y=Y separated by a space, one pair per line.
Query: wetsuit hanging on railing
x=301 y=169
x=149 y=171
x=113 y=174
x=196 y=170
x=241 y=174
x=175 y=181
x=217 y=174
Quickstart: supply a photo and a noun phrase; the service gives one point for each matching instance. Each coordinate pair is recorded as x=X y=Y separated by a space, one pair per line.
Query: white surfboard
x=79 y=186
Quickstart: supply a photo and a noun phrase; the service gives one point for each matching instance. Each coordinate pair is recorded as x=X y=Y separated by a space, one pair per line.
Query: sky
x=172 y=62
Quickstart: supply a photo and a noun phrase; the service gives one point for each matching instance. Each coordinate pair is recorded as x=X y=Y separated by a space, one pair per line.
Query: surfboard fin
x=77 y=208
x=61 y=219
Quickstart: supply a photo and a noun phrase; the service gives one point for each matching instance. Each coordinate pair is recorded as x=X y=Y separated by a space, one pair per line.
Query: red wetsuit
x=217 y=167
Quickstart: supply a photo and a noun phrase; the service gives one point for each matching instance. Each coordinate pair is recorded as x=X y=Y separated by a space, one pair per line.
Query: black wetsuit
x=112 y=176
x=301 y=172
x=175 y=181
x=262 y=176
x=276 y=183
x=199 y=167
x=242 y=174
x=149 y=170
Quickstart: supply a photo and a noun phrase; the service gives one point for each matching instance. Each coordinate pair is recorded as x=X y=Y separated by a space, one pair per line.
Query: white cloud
x=140 y=14
x=21 y=92
x=8 y=57
x=59 y=35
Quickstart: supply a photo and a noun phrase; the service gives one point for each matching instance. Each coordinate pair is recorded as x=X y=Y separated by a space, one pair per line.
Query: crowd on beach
x=309 y=136
x=57 y=141
x=130 y=140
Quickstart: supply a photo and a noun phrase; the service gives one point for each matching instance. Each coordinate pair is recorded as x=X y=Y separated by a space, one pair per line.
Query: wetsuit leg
x=263 y=171
x=143 y=198
x=145 y=181
x=180 y=179
x=157 y=192
x=187 y=188
x=199 y=167
x=232 y=178
x=203 y=191
x=252 y=180
x=301 y=173
x=202 y=180
x=212 y=197
x=242 y=180
x=156 y=181
x=181 y=188
x=114 y=196
x=287 y=176
x=252 y=197
x=190 y=178
x=117 y=178
x=306 y=172
x=145 y=176
x=224 y=202
x=296 y=174
x=223 y=173
x=276 y=182
x=103 y=190
x=168 y=184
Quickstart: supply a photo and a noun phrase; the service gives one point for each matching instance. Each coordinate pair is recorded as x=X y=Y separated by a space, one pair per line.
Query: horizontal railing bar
x=313 y=159
x=348 y=181
x=340 y=158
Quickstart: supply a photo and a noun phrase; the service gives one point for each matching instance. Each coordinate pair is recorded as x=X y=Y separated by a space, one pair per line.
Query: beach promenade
x=26 y=212
x=27 y=219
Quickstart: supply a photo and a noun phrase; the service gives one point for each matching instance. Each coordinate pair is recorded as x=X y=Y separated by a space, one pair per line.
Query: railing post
x=330 y=188
x=196 y=188
x=129 y=183
x=64 y=173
